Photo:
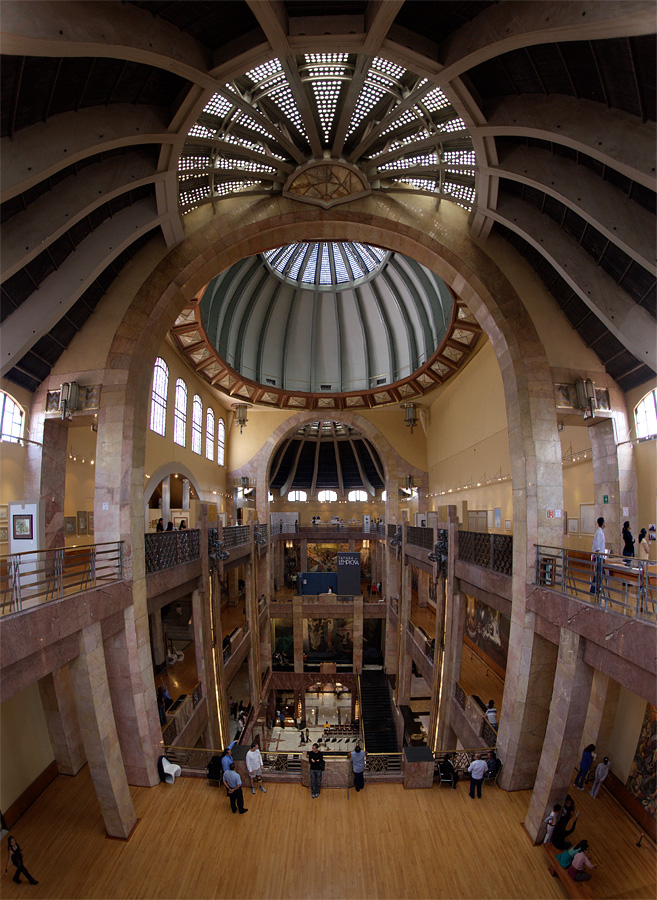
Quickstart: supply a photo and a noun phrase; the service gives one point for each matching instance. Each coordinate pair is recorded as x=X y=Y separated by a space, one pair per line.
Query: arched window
x=197 y=424
x=159 y=397
x=221 y=443
x=11 y=417
x=297 y=497
x=327 y=496
x=180 y=413
x=209 y=434
x=357 y=496
x=384 y=496
x=645 y=416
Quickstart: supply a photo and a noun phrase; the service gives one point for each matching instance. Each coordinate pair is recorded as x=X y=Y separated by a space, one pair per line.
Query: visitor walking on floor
x=233 y=784
x=585 y=764
x=254 y=767
x=358 y=765
x=477 y=769
x=317 y=764
x=15 y=854
x=601 y=772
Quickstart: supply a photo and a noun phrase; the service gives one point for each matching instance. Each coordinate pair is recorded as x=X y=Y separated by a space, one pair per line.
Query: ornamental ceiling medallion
x=326 y=184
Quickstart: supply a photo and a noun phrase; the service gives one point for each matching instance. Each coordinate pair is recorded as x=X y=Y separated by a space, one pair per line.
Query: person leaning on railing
x=598 y=547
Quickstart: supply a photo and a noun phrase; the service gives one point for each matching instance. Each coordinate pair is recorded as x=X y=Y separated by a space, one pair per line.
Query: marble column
x=358 y=634
x=135 y=709
x=166 y=500
x=614 y=477
x=601 y=714
x=563 y=735
x=185 y=498
x=62 y=720
x=157 y=638
x=405 y=662
x=297 y=630
x=101 y=744
x=528 y=685
x=45 y=477
x=265 y=642
x=251 y=612
x=450 y=621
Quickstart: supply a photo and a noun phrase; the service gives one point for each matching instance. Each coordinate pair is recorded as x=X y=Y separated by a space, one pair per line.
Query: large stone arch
x=393 y=464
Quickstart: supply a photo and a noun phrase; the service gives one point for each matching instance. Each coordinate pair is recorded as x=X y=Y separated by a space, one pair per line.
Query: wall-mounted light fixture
x=410 y=415
x=241 y=410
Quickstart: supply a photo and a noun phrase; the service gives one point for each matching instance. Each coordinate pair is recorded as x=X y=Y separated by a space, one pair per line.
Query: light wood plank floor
x=382 y=843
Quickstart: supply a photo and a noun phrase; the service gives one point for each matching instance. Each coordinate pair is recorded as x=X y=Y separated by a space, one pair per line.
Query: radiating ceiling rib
x=245 y=318
x=338 y=460
x=375 y=460
x=289 y=481
x=428 y=328
x=286 y=340
x=441 y=317
x=224 y=345
x=438 y=140
x=367 y=348
x=278 y=459
x=627 y=321
x=313 y=483
x=363 y=477
x=264 y=332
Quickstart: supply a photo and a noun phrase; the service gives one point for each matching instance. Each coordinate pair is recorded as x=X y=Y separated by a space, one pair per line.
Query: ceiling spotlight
x=410 y=415
x=241 y=410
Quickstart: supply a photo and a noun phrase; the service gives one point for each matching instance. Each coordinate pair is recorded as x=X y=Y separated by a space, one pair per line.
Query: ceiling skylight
x=326 y=265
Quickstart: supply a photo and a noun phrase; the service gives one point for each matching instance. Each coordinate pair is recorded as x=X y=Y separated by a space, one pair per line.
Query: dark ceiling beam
x=234 y=151
x=338 y=460
x=313 y=483
x=367 y=484
x=289 y=481
x=630 y=324
x=441 y=139
x=272 y=17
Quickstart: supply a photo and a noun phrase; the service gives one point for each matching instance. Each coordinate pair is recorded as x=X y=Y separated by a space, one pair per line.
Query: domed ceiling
x=326 y=325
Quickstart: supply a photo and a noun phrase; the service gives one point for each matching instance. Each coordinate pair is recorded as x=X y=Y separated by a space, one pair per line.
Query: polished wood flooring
x=382 y=843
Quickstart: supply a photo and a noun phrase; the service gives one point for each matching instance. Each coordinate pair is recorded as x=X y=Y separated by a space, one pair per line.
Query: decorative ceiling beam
x=338 y=461
x=313 y=483
x=289 y=481
x=363 y=477
x=439 y=140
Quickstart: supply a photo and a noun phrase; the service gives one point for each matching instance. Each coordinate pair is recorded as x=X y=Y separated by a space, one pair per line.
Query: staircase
x=378 y=724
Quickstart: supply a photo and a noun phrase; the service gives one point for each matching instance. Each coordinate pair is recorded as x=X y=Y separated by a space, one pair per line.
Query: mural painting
x=642 y=782
x=282 y=642
x=324 y=557
x=488 y=629
x=328 y=640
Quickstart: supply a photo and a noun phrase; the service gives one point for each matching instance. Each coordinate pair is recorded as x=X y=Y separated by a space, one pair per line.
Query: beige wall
x=25 y=749
x=645 y=454
x=625 y=735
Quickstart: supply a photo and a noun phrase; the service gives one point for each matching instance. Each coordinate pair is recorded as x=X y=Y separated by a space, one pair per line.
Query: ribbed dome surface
x=307 y=335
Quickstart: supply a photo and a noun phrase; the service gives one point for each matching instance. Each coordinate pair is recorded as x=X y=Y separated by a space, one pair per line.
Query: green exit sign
x=605 y=499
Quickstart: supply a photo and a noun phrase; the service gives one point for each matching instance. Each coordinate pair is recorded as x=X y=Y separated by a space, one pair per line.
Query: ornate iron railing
x=620 y=584
x=236 y=536
x=166 y=549
x=461 y=759
x=383 y=763
x=491 y=551
x=39 y=576
x=420 y=537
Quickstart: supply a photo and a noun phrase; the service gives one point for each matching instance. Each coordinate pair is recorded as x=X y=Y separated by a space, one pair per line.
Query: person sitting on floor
x=580 y=860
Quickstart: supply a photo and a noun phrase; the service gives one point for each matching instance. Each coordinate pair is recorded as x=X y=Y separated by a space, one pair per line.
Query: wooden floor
x=382 y=843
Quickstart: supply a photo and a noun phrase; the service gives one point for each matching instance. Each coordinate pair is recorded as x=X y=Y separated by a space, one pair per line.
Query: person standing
x=15 y=854
x=491 y=713
x=598 y=547
x=561 y=829
x=233 y=784
x=644 y=549
x=477 y=770
x=601 y=772
x=254 y=767
x=227 y=758
x=160 y=525
x=316 y=760
x=358 y=765
x=551 y=821
x=628 y=543
x=585 y=764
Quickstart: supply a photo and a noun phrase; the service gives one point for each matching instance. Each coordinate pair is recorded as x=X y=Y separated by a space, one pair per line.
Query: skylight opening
x=420 y=184
x=218 y=106
x=310 y=272
x=340 y=263
x=435 y=100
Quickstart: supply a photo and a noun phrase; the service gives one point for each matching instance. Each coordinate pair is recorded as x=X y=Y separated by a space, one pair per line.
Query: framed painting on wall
x=82 y=522
x=178 y=520
x=498 y=517
x=573 y=526
x=507 y=524
x=4 y=515
x=22 y=527
x=70 y=523
x=90 y=523
x=4 y=534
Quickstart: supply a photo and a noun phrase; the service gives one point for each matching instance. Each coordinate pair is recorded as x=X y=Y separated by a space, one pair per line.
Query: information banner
x=348 y=574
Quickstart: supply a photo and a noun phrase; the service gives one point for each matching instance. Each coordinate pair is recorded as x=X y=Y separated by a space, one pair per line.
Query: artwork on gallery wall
x=573 y=526
x=488 y=629
x=70 y=523
x=507 y=524
x=82 y=522
x=178 y=520
x=498 y=517
x=328 y=640
x=90 y=522
x=641 y=780
x=4 y=515
x=4 y=534
x=22 y=525
x=587 y=517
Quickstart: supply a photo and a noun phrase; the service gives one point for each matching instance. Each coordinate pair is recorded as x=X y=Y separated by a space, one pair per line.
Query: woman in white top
x=644 y=548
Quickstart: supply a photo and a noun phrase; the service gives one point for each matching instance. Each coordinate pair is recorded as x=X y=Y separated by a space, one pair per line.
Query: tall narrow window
x=197 y=424
x=209 y=434
x=180 y=413
x=159 y=396
x=645 y=416
x=11 y=417
x=221 y=443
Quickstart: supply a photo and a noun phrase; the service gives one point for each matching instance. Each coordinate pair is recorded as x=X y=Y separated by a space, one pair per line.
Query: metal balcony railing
x=490 y=551
x=39 y=576
x=420 y=537
x=166 y=549
x=619 y=584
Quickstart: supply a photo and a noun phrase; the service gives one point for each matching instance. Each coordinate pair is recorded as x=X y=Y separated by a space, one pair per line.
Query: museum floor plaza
x=376 y=844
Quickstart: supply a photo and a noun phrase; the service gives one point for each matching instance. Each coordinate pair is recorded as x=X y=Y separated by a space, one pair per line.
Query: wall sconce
x=585 y=397
x=410 y=415
x=241 y=410
x=69 y=396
